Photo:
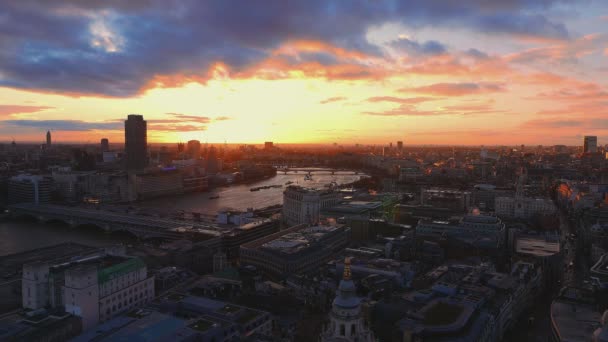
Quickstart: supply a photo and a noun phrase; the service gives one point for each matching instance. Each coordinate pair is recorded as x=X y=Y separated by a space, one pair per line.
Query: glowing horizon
x=474 y=73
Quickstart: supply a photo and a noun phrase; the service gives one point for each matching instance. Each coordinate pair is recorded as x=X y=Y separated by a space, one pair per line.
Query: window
x=342 y=330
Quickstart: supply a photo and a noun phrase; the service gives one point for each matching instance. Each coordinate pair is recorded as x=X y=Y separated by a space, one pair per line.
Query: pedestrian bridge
x=143 y=227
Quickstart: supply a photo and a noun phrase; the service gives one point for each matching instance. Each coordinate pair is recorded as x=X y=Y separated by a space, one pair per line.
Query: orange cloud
x=402 y=100
x=456 y=89
x=332 y=99
x=294 y=48
x=6 y=110
x=564 y=52
x=463 y=109
x=584 y=91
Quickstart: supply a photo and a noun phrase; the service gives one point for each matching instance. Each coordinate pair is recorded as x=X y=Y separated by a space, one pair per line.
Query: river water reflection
x=18 y=236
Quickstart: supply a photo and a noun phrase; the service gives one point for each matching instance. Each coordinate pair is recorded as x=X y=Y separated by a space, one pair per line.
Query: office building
x=29 y=189
x=520 y=206
x=48 y=139
x=194 y=149
x=105 y=145
x=95 y=288
x=480 y=230
x=268 y=145
x=136 y=143
x=214 y=164
x=299 y=249
x=410 y=174
x=456 y=200
x=247 y=232
x=304 y=205
x=590 y=144
x=157 y=184
x=345 y=321
x=357 y=215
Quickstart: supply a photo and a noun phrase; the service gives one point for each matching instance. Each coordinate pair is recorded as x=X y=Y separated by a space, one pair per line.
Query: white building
x=303 y=205
x=345 y=322
x=519 y=206
x=95 y=288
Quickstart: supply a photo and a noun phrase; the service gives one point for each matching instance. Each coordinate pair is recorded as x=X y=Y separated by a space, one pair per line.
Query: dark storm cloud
x=48 y=44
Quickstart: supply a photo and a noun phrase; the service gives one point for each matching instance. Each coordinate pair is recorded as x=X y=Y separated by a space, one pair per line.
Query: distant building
x=560 y=149
x=136 y=143
x=105 y=145
x=48 y=139
x=95 y=288
x=590 y=144
x=410 y=174
x=304 y=205
x=109 y=156
x=268 y=145
x=194 y=149
x=214 y=164
x=296 y=250
x=29 y=189
x=158 y=184
x=345 y=321
x=484 y=195
x=522 y=207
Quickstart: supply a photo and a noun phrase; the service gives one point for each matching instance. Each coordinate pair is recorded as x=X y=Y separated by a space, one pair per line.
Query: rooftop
x=442 y=313
x=298 y=240
x=574 y=322
x=537 y=246
x=601 y=266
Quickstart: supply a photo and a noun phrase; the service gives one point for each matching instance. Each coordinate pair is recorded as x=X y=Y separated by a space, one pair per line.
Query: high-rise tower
x=48 y=139
x=136 y=142
x=590 y=144
x=105 y=145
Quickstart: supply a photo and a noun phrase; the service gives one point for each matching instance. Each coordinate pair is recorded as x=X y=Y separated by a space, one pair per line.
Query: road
x=576 y=263
x=575 y=275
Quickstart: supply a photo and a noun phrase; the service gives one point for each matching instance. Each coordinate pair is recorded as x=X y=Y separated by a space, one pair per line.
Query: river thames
x=18 y=236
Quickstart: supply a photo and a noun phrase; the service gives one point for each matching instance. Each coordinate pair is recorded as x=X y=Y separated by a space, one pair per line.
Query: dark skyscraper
x=48 y=138
x=136 y=141
x=105 y=145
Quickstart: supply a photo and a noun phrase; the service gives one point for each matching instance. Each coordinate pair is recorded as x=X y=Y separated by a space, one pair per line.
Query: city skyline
x=472 y=73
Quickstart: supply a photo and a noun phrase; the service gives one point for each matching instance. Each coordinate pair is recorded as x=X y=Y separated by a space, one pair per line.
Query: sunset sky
x=316 y=71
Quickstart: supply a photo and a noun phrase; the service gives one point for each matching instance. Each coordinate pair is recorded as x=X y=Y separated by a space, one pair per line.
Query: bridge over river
x=143 y=227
